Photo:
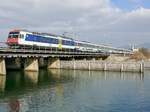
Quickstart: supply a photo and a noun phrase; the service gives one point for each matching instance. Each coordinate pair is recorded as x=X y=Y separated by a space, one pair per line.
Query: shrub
x=145 y=52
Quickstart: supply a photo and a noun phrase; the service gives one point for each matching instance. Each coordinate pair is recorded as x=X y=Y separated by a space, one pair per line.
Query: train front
x=13 y=37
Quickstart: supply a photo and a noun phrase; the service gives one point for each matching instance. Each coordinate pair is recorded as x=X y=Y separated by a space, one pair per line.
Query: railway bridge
x=33 y=59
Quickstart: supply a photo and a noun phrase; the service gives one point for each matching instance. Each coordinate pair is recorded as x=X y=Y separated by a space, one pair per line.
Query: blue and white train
x=27 y=39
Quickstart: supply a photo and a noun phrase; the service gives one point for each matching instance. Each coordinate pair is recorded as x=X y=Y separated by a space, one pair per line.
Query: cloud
x=93 y=20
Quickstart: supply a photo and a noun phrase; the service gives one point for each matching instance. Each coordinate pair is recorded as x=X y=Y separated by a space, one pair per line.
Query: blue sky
x=129 y=5
x=115 y=22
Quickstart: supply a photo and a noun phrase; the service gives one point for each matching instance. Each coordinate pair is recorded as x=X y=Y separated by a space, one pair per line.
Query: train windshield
x=13 y=35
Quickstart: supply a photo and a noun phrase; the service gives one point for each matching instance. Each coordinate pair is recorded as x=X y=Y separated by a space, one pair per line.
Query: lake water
x=74 y=91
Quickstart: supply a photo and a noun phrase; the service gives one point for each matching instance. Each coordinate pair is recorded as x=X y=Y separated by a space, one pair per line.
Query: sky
x=112 y=22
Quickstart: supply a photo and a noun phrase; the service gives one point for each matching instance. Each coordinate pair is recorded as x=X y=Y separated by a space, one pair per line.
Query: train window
x=9 y=36
x=41 y=39
x=50 y=40
x=54 y=41
x=63 y=42
x=67 y=42
x=16 y=36
x=22 y=36
x=72 y=43
x=35 y=38
x=12 y=36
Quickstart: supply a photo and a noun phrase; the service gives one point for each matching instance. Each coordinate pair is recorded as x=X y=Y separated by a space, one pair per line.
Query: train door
x=60 y=43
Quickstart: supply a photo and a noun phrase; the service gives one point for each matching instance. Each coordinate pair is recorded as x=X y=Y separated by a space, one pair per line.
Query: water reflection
x=55 y=73
x=14 y=80
x=105 y=75
x=70 y=90
x=131 y=76
x=124 y=76
x=14 y=105
x=31 y=77
x=2 y=83
x=20 y=80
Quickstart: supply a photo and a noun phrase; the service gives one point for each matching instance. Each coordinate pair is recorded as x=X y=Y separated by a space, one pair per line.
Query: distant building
x=135 y=49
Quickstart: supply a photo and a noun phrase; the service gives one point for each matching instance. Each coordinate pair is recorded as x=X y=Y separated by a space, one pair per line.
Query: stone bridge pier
x=31 y=64
x=53 y=63
x=2 y=66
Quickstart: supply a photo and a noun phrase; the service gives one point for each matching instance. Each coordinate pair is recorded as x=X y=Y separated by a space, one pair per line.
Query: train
x=27 y=40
